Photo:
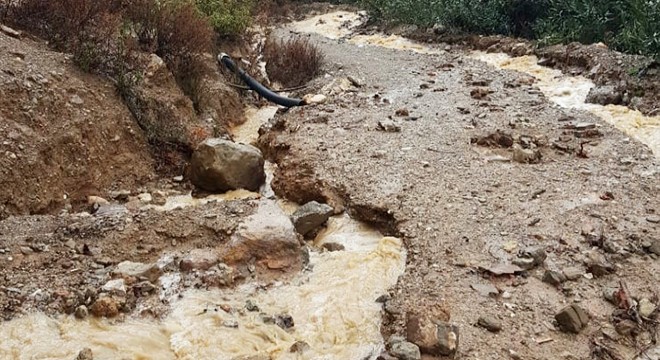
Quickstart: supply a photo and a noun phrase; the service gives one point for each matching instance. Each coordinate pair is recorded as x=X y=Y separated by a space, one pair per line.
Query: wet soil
x=460 y=205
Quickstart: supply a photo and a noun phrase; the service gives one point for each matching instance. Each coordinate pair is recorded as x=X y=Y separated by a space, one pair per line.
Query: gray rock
x=485 y=289
x=299 y=347
x=251 y=306
x=115 y=287
x=645 y=307
x=220 y=165
x=604 y=95
x=310 y=216
x=199 y=259
x=572 y=319
x=490 y=323
x=81 y=312
x=138 y=270
x=432 y=336
x=598 y=265
x=85 y=354
x=388 y=125
x=654 y=247
x=553 y=277
x=573 y=273
x=526 y=156
x=333 y=246
x=285 y=321
x=654 y=219
x=405 y=351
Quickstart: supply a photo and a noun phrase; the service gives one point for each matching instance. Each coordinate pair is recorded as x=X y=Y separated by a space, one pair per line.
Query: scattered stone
x=597 y=264
x=504 y=269
x=355 y=81
x=299 y=347
x=496 y=139
x=604 y=95
x=26 y=250
x=333 y=246
x=625 y=327
x=268 y=234
x=145 y=198
x=121 y=195
x=251 y=306
x=593 y=233
x=572 y=319
x=654 y=219
x=96 y=200
x=645 y=307
x=654 y=247
x=81 y=312
x=310 y=216
x=490 y=323
x=267 y=319
x=199 y=259
x=230 y=324
x=76 y=100
x=609 y=294
x=553 y=277
x=433 y=337
x=405 y=350
x=115 y=287
x=530 y=257
x=402 y=112
x=573 y=273
x=526 y=156
x=85 y=354
x=486 y=290
x=71 y=244
x=105 y=307
x=219 y=165
x=388 y=125
x=315 y=99
x=127 y=269
x=9 y=31
x=285 y=321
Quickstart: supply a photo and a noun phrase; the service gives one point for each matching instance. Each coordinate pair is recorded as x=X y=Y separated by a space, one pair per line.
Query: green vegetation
x=228 y=17
x=627 y=25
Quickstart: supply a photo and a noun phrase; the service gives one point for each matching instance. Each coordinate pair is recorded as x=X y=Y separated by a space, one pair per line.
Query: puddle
x=332 y=304
x=333 y=308
x=571 y=92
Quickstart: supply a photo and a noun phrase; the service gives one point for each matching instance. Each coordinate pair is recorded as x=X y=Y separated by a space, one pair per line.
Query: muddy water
x=332 y=303
x=571 y=92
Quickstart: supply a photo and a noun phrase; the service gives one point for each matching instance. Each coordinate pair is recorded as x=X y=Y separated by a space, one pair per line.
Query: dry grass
x=293 y=62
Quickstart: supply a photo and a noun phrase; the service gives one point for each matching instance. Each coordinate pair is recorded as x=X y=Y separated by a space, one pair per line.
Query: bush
x=293 y=62
x=228 y=17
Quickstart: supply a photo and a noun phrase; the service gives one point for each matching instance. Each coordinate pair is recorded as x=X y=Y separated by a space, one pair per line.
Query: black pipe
x=256 y=86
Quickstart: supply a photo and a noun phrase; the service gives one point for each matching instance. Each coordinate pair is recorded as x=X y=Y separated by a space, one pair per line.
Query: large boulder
x=220 y=165
x=268 y=236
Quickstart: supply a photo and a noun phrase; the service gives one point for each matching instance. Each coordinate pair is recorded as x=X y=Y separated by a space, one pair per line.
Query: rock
x=230 y=324
x=26 y=250
x=388 y=125
x=81 y=312
x=310 y=216
x=604 y=95
x=572 y=319
x=355 y=81
x=299 y=347
x=597 y=264
x=524 y=263
x=405 y=351
x=199 y=259
x=573 y=273
x=145 y=198
x=115 y=287
x=332 y=246
x=625 y=327
x=485 y=289
x=221 y=275
x=645 y=307
x=251 y=306
x=526 y=156
x=219 y=165
x=71 y=244
x=490 y=323
x=654 y=247
x=127 y=269
x=9 y=31
x=285 y=321
x=609 y=293
x=268 y=234
x=121 y=195
x=315 y=99
x=96 y=200
x=653 y=219
x=593 y=233
x=433 y=337
x=105 y=307
x=530 y=257
x=85 y=354
x=503 y=269
x=76 y=100
x=553 y=277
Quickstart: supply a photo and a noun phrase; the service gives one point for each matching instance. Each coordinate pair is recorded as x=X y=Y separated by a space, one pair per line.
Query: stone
x=432 y=336
x=388 y=125
x=572 y=319
x=490 y=323
x=219 y=165
x=573 y=273
x=250 y=305
x=485 y=289
x=81 y=312
x=126 y=269
x=105 y=307
x=526 y=156
x=115 y=287
x=333 y=246
x=266 y=235
x=230 y=324
x=645 y=307
x=145 y=198
x=405 y=350
x=96 y=200
x=310 y=216
x=597 y=264
x=553 y=277
x=604 y=95
x=199 y=259
x=315 y=99
x=299 y=347
x=76 y=100
x=285 y=321
x=26 y=250
x=221 y=275
x=654 y=247
x=653 y=219
x=625 y=327
x=145 y=287
x=85 y=354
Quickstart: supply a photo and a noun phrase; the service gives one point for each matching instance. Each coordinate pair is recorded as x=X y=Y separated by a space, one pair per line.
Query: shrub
x=228 y=17
x=293 y=62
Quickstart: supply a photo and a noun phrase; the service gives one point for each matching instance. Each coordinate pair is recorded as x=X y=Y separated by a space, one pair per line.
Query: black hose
x=256 y=86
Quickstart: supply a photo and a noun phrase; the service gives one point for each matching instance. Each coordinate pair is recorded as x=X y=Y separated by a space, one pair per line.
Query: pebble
x=654 y=219
x=405 y=350
x=26 y=250
x=85 y=354
x=81 y=312
x=485 y=289
x=553 y=277
x=573 y=273
x=76 y=100
x=572 y=319
x=230 y=324
x=646 y=307
x=251 y=306
x=490 y=323
x=388 y=125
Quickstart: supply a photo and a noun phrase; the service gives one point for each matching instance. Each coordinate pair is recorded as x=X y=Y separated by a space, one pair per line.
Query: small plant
x=228 y=17
x=293 y=62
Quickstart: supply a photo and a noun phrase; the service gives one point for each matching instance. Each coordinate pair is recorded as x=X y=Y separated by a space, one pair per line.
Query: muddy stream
x=332 y=303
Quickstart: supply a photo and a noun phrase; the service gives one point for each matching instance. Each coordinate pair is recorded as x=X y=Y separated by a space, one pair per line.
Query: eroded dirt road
x=410 y=151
